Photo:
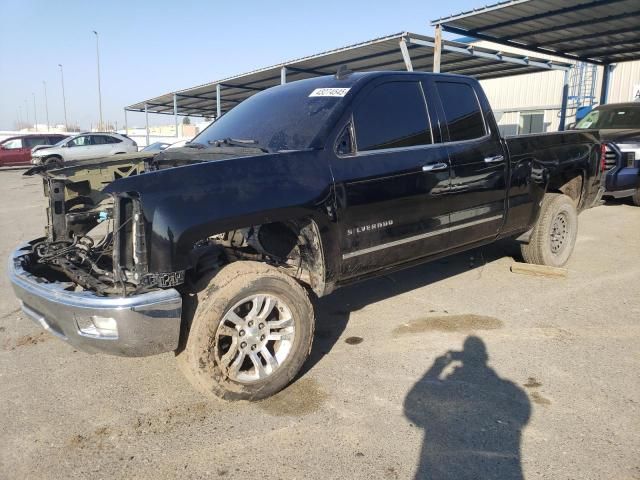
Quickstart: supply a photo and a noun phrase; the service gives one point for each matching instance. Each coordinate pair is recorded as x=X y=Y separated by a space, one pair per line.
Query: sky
x=148 y=48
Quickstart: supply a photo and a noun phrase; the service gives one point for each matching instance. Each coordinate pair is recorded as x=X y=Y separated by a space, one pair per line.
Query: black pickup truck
x=215 y=249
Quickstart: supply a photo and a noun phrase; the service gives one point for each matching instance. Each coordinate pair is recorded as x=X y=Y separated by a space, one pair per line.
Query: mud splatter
x=391 y=473
x=160 y=422
x=27 y=341
x=354 y=340
x=532 y=382
x=32 y=339
x=449 y=323
x=539 y=399
x=302 y=397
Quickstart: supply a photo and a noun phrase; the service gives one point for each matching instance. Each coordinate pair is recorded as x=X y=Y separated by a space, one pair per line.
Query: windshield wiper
x=237 y=142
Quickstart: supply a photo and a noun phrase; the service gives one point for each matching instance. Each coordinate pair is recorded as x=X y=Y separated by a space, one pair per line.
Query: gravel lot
x=558 y=398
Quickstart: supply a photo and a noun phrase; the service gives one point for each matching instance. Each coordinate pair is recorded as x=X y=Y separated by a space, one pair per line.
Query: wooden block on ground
x=539 y=270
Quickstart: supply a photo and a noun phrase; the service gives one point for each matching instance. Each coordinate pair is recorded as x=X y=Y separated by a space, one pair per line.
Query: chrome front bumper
x=135 y=326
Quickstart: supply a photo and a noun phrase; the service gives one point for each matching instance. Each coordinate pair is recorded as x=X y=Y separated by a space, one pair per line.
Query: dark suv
x=17 y=150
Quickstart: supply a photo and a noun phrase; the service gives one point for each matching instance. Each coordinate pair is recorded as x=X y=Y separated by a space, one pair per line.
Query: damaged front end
x=95 y=240
x=87 y=279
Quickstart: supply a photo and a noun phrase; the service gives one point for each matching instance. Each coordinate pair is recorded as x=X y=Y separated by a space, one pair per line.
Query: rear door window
x=392 y=115
x=31 y=142
x=461 y=110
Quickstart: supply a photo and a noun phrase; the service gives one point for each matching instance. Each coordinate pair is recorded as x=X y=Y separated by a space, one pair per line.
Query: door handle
x=435 y=167
x=494 y=159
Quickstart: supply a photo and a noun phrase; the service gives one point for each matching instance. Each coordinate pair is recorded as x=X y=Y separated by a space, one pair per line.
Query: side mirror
x=68 y=144
x=571 y=126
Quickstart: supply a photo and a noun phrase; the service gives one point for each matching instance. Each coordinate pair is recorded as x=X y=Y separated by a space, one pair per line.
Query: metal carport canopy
x=594 y=31
x=401 y=51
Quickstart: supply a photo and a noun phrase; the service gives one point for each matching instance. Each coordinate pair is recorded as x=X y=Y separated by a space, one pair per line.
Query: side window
x=82 y=141
x=99 y=139
x=111 y=139
x=392 y=115
x=12 y=144
x=31 y=142
x=344 y=145
x=461 y=111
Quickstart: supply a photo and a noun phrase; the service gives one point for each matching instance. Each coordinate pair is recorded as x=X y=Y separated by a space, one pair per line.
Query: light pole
x=64 y=100
x=35 y=113
x=46 y=103
x=99 y=92
x=26 y=109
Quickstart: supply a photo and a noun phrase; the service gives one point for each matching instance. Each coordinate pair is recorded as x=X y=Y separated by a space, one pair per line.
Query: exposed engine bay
x=98 y=241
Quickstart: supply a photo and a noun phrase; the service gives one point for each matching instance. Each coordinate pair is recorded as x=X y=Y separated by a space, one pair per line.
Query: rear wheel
x=554 y=235
x=251 y=333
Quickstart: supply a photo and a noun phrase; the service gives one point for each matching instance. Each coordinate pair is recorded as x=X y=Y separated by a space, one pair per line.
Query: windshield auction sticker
x=329 y=92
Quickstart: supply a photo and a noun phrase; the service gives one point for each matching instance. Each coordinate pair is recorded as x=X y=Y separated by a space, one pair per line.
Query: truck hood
x=620 y=136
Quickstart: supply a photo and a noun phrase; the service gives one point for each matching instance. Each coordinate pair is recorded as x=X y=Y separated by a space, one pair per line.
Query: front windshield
x=612 y=118
x=286 y=117
x=61 y=142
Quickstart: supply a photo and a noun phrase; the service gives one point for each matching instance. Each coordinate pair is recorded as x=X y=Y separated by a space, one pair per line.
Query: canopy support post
x=405 y=55
x=606 y=81
x=218 y=106
x=126 y=123
x=175 y=112
x=565 y=98
x=146 y=119
x=283 y=75
x=437 y=49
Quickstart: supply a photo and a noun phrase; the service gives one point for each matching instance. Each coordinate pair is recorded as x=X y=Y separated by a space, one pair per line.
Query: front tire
x=635 y=199
x=554 y=235
x=251 y=333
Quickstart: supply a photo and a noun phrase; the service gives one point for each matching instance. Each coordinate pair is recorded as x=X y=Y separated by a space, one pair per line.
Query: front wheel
x=251 y=333
x=635 y=199
x=554 y=235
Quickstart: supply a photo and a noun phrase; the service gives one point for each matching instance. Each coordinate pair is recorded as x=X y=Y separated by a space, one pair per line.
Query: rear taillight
x=603 y=156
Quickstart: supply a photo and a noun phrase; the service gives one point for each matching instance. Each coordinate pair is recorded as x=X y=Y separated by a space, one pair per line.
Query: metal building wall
x=512 y=96
x=625 y=77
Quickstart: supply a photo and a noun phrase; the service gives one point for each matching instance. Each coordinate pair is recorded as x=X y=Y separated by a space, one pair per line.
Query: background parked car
x=17 y=150
x=85 y=146
x=156 y=147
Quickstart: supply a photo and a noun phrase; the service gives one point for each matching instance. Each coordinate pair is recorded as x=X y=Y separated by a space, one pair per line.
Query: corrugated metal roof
x=597 y=31
x=379 y=54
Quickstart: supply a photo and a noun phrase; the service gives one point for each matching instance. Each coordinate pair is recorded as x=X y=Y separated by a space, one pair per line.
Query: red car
x=17 y=150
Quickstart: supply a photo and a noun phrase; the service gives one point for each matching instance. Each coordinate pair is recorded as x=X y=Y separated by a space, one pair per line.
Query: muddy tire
x=554 y=235
x=635 y=198
x=251 y=333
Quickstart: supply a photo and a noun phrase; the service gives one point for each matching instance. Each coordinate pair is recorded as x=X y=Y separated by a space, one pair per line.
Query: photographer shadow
x=472 y=419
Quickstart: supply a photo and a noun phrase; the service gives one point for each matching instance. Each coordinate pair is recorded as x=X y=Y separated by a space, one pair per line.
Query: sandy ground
x=542 y=381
